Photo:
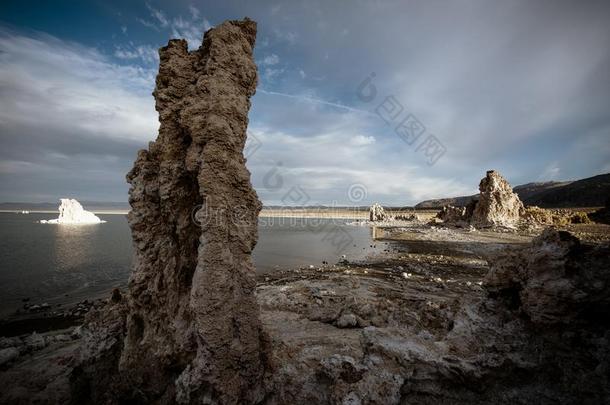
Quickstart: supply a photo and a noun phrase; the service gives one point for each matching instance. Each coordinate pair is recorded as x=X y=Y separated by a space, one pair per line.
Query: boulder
x=7 y=355
x=347 y=321
x=34 y=342
x=451 y=214
x=555 y=280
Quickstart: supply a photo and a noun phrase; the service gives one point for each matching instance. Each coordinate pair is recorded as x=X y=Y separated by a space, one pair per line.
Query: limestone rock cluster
x=554 y=280
x=452 y=214
x=188 y=330
x=376 y=213
x=497 y=205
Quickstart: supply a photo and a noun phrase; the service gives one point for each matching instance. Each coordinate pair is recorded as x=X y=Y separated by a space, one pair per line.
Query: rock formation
x=536 y=216
x=376 y=212
x=188 y=330
x=452 y=214
x=555 y=280
x=497 y=204
x=71 y=212
x=602 y=215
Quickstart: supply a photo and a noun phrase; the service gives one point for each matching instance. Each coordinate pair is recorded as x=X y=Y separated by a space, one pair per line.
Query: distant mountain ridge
x=589 y=192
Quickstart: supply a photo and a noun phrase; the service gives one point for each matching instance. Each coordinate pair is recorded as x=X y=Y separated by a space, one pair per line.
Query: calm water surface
x=64 y=263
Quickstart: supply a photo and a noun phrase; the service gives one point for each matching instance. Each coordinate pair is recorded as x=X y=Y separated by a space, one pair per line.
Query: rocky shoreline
x=355 y=331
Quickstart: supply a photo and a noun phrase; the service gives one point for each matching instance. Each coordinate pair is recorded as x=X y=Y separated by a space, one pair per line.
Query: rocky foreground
x=451 y=315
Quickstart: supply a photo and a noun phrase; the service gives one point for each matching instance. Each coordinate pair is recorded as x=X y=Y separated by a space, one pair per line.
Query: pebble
x=62 y=338
x=35 y=342
x=347 y=321
x=77 y=333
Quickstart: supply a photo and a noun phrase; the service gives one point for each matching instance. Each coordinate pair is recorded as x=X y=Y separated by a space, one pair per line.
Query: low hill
x=589 y=192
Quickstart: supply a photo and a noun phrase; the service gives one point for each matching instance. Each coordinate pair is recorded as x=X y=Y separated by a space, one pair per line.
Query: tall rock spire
x=191 y=331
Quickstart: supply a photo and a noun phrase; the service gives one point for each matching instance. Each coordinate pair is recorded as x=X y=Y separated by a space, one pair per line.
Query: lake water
x=64 y=264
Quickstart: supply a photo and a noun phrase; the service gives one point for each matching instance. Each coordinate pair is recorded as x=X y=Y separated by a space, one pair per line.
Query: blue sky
x=521 y=87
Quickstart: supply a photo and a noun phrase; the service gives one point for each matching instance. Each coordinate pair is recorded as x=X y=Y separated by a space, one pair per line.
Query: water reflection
x=50 y=262
x=74 y=245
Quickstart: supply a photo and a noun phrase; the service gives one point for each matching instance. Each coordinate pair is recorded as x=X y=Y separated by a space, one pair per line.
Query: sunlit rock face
x=376 y=212
x=498 y=205
x=71 y=212
x=188 y=330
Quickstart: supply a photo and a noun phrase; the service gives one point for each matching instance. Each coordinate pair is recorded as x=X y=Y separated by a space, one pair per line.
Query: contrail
x=316 y=101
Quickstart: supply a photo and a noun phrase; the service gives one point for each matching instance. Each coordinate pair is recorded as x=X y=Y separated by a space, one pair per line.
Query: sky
x=357 y=102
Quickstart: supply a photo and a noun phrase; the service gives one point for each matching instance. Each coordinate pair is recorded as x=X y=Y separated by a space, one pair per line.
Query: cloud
x=71 y=119
x=307 y=99
x=270 y=60
x=146 y=53
x=362 y=140
x=326 y=165
x=507 y=88
x=191 y=29
x=158 y=15
x=323 y=149
x=522 y=88
x=147 y=24
x=286 y=35
x=194 y=12
x=551 y=172
x=270 y=74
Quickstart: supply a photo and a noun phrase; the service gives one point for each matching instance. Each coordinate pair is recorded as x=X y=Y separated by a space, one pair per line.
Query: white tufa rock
x=71 y=212
x=376 y=213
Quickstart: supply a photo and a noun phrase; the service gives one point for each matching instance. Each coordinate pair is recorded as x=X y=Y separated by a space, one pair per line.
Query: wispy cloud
x=307 y=99
x=190 y=28
x=147 y=24
x=270 y=60
x=146 y=53
x=71 y=120
x=158 y=15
